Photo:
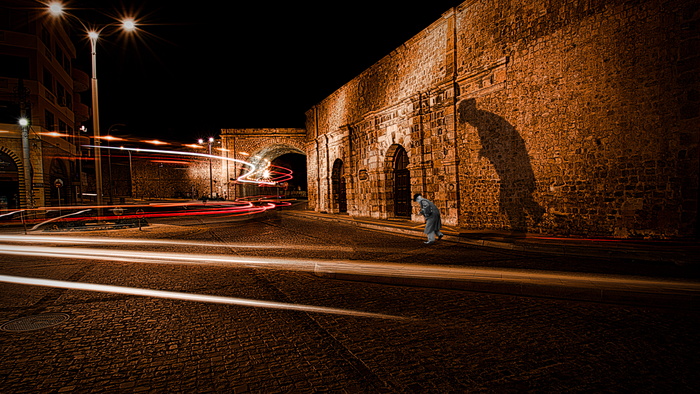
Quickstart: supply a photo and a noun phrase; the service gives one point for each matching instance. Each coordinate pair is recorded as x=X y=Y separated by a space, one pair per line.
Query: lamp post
x=211 y=179
x=22 y=93
x=24 y=123
x=129 y=24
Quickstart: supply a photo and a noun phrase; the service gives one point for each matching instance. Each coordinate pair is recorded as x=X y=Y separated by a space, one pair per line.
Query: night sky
x=194 y=71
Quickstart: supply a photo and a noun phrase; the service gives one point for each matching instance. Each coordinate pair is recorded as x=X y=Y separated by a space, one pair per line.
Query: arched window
x=339 y=193
x=402 y=184
x=9 y=183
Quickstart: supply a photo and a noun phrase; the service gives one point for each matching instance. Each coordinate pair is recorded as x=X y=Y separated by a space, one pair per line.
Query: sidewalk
x=583 y=285
x=673 y=252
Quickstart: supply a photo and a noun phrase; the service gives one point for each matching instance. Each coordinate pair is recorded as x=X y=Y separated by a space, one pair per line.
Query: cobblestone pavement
x=448 y=341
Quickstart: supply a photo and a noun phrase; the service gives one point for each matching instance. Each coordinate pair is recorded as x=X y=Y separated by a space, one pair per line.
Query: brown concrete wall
x=576 y=117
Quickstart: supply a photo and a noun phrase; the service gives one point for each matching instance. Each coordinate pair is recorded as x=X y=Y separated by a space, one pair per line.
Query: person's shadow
x=505 y=148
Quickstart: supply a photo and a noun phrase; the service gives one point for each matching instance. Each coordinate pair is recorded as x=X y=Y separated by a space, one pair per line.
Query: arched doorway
x=338 y=189
x=9 y=182
x=402 y=184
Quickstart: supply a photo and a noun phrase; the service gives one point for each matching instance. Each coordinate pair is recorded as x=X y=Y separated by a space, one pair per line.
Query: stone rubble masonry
x=574 y=117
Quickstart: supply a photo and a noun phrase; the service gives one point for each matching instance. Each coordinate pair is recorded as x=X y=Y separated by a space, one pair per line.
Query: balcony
x=81 y=80
x=81 y=111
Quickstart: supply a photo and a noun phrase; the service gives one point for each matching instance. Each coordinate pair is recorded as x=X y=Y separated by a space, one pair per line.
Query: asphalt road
x=288 y=330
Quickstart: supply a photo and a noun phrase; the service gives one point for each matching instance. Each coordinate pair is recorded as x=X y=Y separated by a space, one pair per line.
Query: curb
x=660 y=256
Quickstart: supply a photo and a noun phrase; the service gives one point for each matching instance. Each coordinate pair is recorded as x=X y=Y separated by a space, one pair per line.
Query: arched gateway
x=402 y=183
x=263 y=147
x=338 y=188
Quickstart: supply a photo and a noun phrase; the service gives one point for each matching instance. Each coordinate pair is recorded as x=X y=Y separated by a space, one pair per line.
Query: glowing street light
x=56 y=9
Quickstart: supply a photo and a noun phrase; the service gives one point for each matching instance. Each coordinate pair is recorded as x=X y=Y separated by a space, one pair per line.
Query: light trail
x=34 y=239
x=239 y=207
x=137 y=256
x=190 y=297
x=10 y=213
x=357 y=268
x=70 y=215
x=243 y=178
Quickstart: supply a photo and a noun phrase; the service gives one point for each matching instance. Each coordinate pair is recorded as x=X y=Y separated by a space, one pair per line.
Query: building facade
x=38 y=82
x=579 y=117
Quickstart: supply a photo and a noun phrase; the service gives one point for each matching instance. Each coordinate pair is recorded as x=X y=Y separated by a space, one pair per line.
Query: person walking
x=433 y=223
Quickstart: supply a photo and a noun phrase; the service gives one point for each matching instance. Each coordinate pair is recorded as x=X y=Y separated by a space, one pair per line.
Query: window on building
x=59 y=54
x=48 y=80
x=46 y=37
x=65 y=63
x=49 y=120
x=61 y=94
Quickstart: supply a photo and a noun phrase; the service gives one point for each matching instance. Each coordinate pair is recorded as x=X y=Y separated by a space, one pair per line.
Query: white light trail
x=32 y=238
x=189 y=297
x=343 y=268
x=59 y=218
x=139 y=256
x=241 y=178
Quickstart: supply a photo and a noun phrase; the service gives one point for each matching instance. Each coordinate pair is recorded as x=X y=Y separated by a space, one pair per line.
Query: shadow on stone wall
x=505 y=148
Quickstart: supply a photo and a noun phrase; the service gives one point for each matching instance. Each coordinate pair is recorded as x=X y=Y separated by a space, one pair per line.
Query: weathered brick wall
x=574 y=117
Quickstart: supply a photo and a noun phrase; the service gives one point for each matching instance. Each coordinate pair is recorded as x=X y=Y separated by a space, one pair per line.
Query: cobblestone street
x=442 y=340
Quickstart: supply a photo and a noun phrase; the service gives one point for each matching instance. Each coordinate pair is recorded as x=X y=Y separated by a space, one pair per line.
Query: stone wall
x=578 y=117
x=160 y=176
x=579 y=130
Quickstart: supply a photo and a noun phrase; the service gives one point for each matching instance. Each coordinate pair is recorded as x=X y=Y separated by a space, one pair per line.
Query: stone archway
x=338 y=188
x=9 y=182
x=261 y=147
x=263 y=159
x=402 y=184
x=398 y=182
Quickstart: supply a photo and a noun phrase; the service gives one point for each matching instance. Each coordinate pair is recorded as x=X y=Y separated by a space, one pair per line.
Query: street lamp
x=128 y=24
x=211 y=179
